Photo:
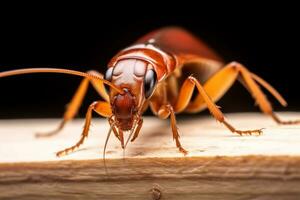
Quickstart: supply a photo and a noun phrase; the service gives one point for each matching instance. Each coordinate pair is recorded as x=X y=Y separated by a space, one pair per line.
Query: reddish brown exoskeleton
x=156 y=72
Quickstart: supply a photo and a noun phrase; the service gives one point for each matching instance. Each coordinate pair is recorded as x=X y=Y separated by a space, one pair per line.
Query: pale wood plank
x=202 y=136
x=220 y=165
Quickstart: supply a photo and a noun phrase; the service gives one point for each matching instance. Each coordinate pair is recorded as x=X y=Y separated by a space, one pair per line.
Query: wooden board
x=220 y=165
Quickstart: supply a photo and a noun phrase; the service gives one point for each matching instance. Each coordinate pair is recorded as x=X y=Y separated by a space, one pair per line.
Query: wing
x=193 y=55
x=179 y=41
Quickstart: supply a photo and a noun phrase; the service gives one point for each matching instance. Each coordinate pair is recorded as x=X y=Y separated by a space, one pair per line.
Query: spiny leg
x=277 y=95
x=76 y=101
x=184 y=98
x=103 y=109
x=224 y=79
x=164 y=112
x=284 y=122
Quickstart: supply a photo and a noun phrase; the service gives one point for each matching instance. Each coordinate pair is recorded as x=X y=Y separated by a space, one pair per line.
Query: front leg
x=164 y=112
x=103 y=109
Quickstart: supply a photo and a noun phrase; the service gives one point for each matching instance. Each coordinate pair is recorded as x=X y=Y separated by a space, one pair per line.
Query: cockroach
x=168 y=70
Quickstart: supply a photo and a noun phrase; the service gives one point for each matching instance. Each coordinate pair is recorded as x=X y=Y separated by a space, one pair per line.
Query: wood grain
x=220 y=165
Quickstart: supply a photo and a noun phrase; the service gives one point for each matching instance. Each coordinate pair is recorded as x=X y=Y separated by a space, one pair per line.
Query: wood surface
x=220 y=165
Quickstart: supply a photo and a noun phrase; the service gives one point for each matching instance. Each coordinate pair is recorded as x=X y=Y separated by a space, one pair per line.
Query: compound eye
x=108 y=77
x=149 y=82
x=108 y=74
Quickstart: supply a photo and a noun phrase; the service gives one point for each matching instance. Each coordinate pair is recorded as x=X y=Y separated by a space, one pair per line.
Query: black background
x=265 y=39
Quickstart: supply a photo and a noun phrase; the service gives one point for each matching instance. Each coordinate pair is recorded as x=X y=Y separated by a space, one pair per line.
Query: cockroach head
x=124 y=109
x=137 y=79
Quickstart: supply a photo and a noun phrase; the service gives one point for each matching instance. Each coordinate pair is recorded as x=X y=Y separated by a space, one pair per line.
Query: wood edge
x=234 y=159
x=219 y=167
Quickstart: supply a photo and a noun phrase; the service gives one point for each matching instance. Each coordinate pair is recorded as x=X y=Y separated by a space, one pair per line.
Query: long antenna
x=104 y=149
x=60 y=71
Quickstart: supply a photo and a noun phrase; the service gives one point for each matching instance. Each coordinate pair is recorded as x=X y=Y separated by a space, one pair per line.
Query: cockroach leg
x=103 y=109
x=164 y=112
x=76 y=101
x=185 y=95
x=219 y=83
x=244 y=132
x=279 y=121
x=54 y=132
